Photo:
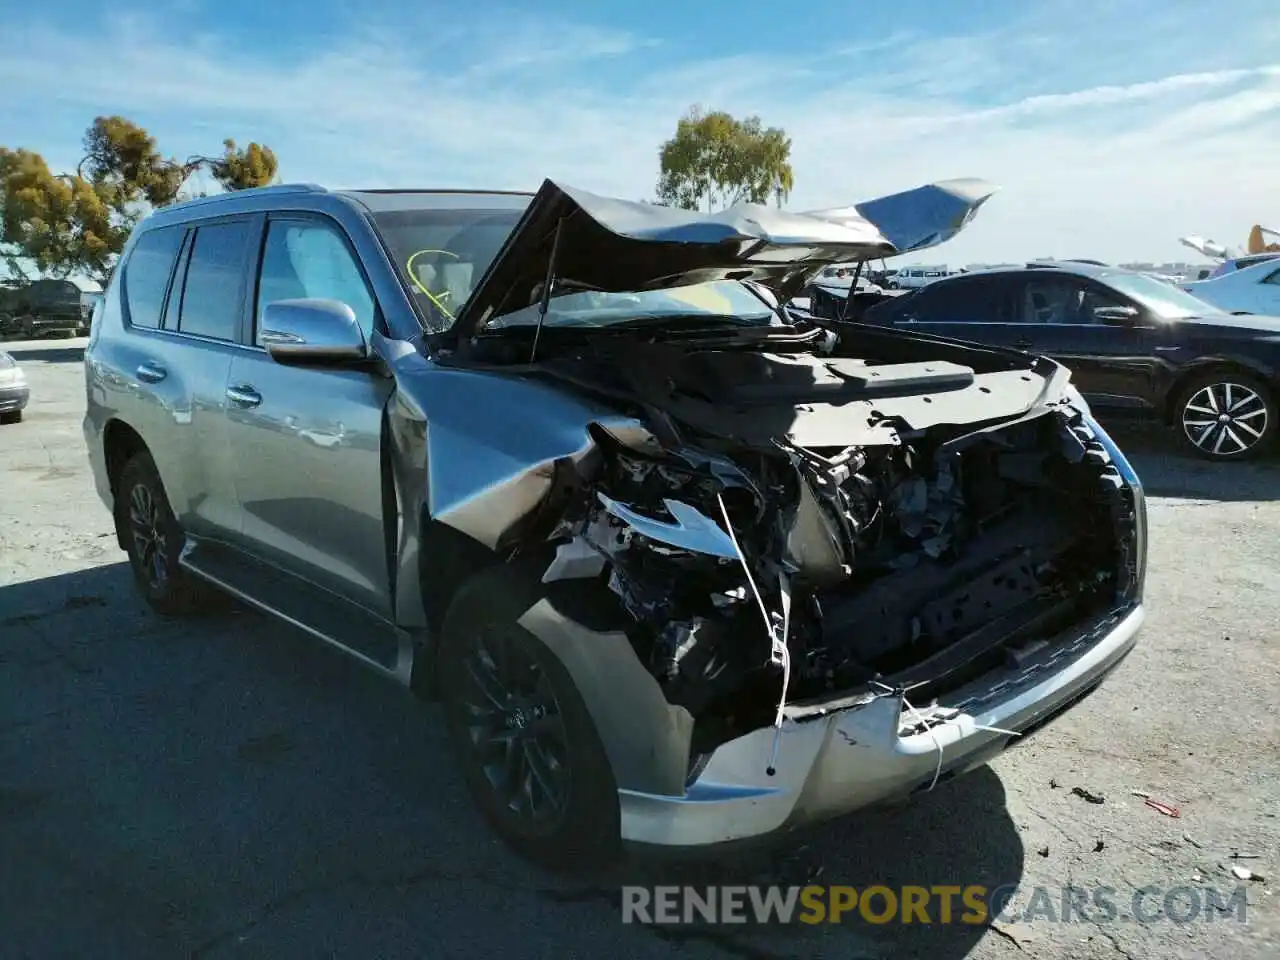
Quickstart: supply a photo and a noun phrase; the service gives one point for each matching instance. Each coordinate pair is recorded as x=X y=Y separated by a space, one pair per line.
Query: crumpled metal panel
x=603 y=243
x=483 y=474
x=920 y=218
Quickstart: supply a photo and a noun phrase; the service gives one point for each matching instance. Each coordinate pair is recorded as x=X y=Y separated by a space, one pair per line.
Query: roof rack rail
x=250 y=192
x=464 y=190
x=288 y=188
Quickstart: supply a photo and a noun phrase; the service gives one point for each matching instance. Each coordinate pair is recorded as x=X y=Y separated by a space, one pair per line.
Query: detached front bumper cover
x=867 y=753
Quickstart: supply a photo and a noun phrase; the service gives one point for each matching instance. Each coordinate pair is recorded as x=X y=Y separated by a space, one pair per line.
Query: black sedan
x=1135 y=345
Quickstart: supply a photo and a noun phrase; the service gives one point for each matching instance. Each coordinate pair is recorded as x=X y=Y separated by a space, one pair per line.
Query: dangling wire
x=778 y=645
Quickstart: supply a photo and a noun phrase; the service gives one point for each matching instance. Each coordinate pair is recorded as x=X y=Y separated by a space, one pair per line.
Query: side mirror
x=1115 y=314
x=312 y=331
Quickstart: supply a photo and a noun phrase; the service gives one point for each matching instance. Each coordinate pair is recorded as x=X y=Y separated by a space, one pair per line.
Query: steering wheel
x=439 y=298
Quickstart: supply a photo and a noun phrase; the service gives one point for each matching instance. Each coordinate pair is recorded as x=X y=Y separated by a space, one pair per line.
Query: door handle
x=150 y=373
x=244 y=396
x=1022 y=343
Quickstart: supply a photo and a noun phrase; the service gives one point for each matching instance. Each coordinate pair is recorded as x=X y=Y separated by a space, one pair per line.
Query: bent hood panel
x=920 y=218
x=621 y=245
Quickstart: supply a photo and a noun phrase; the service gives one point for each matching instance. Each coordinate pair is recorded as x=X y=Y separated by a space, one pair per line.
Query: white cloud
x=1102 y=146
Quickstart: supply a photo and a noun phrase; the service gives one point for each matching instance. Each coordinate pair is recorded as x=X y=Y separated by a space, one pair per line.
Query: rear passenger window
x=212 y=295
x=964 y=302
x=146 y=275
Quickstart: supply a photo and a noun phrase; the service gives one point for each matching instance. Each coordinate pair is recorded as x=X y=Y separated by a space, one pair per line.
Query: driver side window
x=309 y=259
x=1058 y=300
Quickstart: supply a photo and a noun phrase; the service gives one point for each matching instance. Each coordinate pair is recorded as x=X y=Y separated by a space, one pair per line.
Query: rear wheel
x=527 y=746
x=1226 y=415
x=13 y=416
x=153 y=540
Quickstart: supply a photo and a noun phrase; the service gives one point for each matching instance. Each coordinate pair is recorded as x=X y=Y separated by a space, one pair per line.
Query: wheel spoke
x=542 y=768
x=486 y=683
x=1248 y=398
x=1241 y=425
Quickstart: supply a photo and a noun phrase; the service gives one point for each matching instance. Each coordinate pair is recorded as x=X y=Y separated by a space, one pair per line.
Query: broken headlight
x=1137 y=534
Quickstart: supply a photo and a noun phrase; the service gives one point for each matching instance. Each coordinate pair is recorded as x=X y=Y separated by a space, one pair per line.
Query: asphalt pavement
x=226 y=787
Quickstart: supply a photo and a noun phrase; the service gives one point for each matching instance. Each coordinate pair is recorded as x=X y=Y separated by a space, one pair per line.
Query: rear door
x=976 y=308
x=187 y=330
x=306 y=441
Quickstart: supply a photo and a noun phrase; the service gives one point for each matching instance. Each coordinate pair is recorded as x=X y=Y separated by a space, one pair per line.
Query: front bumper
x=14 y=397
x=863 y=754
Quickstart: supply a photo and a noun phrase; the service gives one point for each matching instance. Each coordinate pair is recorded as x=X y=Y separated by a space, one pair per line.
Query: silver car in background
x=14 y=390
x=684 y=567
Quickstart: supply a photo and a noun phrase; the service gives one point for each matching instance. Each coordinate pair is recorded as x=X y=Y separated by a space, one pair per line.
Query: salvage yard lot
x=227 y=787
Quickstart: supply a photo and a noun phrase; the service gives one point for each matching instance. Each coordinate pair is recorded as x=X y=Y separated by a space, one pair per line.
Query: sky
x=1111 y=128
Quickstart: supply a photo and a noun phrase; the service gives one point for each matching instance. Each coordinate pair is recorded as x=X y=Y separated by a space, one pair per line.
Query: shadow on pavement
x=45 y=354
x=1167 y=471
x=229 y=786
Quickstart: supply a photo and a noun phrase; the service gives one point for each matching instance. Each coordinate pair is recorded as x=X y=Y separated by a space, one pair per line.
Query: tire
x=13 y=416
x=1202 y=404
x=153 y=540
x=559 y=810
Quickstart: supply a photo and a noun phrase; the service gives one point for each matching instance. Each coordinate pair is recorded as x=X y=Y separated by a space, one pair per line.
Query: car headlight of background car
x=11 y=374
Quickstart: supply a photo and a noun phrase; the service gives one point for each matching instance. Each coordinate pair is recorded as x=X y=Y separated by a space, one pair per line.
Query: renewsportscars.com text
x=937 y=904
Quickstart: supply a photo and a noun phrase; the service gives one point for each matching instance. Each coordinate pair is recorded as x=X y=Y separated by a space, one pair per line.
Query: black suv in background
x=1135 y=345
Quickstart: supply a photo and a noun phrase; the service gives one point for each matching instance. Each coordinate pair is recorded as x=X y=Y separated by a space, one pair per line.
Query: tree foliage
x=65 y=223
x=717 y=159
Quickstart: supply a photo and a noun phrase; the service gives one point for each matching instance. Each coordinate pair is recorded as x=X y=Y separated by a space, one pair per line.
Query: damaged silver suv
x=684 y=566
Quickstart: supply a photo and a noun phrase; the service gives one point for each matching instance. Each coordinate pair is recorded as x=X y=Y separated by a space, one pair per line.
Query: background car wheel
x=153 y=540
x=527 y=745
x=1226 y=415
x=13 y=416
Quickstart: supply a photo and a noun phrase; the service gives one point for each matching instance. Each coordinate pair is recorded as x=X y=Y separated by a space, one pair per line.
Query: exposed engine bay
x=757 y=572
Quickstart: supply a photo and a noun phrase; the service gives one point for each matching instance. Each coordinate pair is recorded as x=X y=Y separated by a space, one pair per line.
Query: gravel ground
x=226 y=787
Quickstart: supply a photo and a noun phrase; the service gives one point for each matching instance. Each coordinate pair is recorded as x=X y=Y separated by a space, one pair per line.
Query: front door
x=1114 y=361
x=307 y=440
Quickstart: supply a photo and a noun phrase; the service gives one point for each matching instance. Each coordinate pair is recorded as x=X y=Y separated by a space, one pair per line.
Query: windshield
x=441 y=254
x=1162 y=299
x=716 y=299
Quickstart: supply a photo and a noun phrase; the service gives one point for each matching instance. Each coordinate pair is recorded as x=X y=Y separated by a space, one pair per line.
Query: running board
x=351 y=629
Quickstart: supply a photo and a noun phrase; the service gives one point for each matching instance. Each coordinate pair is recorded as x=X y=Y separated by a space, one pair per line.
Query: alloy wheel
x=516 y=729
x=1225 y=419
x=147 y=528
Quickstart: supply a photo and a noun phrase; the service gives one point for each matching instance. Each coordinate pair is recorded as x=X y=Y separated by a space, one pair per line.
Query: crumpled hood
x=920 y=218
x=592 y=242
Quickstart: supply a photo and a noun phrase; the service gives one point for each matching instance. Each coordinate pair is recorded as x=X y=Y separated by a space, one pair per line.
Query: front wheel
x=1226 y=415
x=528 y=748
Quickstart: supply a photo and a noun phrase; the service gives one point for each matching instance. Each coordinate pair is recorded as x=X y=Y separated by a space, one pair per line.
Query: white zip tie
x=937 y=770
x=779 y=647
x=930 y=727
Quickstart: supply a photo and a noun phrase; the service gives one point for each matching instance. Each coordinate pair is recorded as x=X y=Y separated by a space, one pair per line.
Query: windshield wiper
x=684 y=322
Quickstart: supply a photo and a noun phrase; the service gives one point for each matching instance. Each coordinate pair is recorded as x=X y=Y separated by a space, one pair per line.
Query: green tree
x=66 y=223
x=717 y=160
